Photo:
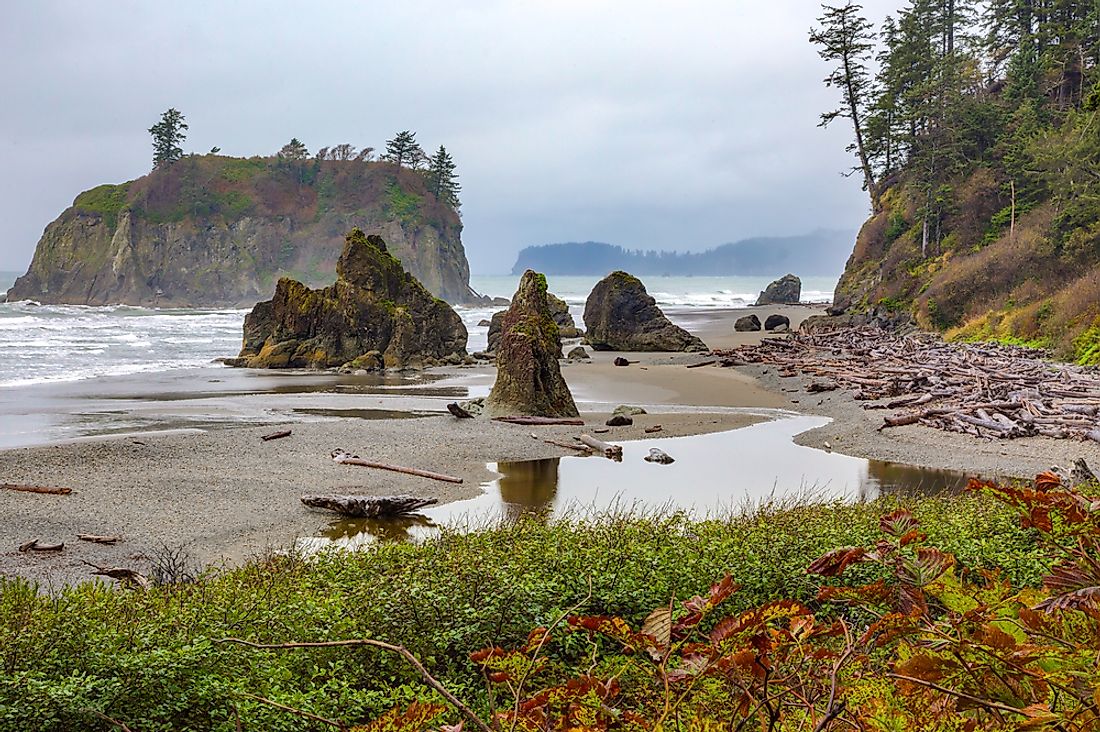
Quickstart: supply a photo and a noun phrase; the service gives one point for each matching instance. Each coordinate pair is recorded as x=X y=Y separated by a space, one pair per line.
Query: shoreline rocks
x=747 y=324
x=375 y=316
x=620 y=315
x=529 y=380
x=787 y=290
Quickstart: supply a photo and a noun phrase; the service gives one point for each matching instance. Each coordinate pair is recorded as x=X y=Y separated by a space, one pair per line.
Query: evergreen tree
x=294 y=150
x=403 y=150
x=168 y=135
x=845 y=39
x=442 y=180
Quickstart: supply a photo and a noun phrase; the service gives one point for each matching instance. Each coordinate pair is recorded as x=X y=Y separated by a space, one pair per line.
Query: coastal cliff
x=213 y=230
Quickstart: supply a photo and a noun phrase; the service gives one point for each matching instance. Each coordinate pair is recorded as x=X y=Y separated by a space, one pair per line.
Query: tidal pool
x=712 y=475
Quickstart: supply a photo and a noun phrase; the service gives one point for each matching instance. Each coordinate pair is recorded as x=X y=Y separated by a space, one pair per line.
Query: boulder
x=619 y=420
x=375 y=316
x=529 y=379
x=559 y=311
x=628 y=410
x=578 y=354
x=777 y=321
x=747 y=324
x=621 y=316
x=787 y=290
x=620 y=361
x=483 y=323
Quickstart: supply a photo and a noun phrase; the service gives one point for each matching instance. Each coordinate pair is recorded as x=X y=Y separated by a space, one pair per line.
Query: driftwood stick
x=97 y=539
x=345 y=458
x=532 y=421
x=122 y=574
x=566 y=445
x=35 y=546
x=701 y=364
x=368 y=506
x=36 y=489
x=277 y=435
x=606 y=448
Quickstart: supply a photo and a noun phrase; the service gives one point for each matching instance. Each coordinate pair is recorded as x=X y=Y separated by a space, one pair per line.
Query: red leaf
x=832 y=563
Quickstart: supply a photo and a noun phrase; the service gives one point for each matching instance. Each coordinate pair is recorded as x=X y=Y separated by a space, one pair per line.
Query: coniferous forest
x=975 y=132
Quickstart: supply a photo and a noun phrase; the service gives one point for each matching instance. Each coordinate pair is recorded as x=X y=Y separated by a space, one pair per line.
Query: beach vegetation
x=106 y=200
x=158 y=659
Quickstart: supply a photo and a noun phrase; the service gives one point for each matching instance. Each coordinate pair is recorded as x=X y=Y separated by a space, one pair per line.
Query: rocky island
x=212 y=230
x=375 y=316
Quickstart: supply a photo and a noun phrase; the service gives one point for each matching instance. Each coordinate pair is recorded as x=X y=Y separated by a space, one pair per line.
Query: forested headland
x=976 y=133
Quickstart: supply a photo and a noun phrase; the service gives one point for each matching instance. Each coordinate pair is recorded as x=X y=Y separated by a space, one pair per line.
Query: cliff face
x=219 y=231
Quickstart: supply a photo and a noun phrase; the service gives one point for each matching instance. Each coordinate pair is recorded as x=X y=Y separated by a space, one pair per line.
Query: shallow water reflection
x=712 y=475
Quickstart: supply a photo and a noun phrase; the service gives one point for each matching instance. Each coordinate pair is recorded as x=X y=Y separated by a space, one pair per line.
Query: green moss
x=106 y=200
x=401 y=204
x=236 y=170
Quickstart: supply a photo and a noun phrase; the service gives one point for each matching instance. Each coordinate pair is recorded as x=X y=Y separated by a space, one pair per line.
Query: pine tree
x=294 y=150
x=403 y=150
x=845 y=39
x=168 y=135
x=442 y=180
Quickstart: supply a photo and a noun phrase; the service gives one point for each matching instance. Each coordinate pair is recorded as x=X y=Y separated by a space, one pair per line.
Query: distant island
x=821 y=252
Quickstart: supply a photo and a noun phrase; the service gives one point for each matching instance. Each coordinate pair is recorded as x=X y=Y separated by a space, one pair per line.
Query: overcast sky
x=647 y=124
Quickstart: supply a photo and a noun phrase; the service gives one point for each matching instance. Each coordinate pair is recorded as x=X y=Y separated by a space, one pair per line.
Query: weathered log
x=35 y=545
x=533 y=421
x=36 y=489
x=97 y=539
x=122 y=574
x=820 y=386
x=615 y=452
x=658 y=456
x=368 y=506
x=346 y=458
x=458 y=411
x=701 y=364
x=277 y=435
x=654 y=428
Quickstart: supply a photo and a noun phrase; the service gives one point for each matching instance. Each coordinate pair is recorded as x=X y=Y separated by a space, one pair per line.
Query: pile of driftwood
x=981 y=389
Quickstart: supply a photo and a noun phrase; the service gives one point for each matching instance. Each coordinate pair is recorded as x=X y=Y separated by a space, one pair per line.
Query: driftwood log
x=615 y=452
x=35 y=545
x=368 y=506
x=97 y=539
x=535 y=421
x=654 y=428
x=36 y=489
x=346 y=458
x=122 y=574
x=277 y=435
x=701 y=364
x=458 y=411
x=986 y=390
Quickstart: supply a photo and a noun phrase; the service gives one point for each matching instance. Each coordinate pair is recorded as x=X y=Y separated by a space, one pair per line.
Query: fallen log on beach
x=36 y=489
x=97 y=539
x=122 y=574
x=346 y=458
x=458 y=411
x=368 y=506
x=277 y=435
x=986 y=390
x=615 y=452
x=535 y=421
x=35 y=545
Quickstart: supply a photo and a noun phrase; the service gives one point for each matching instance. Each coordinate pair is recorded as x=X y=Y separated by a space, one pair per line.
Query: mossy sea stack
x=529 y=380
x=621 y=316
x=377 y=315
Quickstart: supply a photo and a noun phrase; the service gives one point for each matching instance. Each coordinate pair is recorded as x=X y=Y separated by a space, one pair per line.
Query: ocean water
x=41 y=344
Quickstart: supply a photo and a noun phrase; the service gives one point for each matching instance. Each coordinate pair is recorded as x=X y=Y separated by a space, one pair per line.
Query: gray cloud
x=646 y=124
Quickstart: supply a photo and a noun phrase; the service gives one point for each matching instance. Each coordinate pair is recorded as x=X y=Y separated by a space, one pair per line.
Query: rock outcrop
x=212 y=230
x=747 y=324
x=621 y=316
x=559 y=311
x=787 y=290
x=377 y=315
x=529 y=380
x=777 y=321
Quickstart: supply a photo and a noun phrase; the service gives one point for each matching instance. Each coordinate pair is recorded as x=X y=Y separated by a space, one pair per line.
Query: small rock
x=658 y=456
x=628 y=410
x=483 y=356
x=620 y=420
x=578 y=354
x=775 y=321
x=620 y=361
x=483 y=323
x=474 y=406
x=747 y=324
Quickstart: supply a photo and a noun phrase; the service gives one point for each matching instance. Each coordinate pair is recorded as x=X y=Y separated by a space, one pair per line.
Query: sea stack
x=559 y=311
x=621 y=316
x=375 y=316
x=529 y=380
x=787 y=290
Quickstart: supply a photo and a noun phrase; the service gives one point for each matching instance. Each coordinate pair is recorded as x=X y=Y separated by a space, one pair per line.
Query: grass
x=153 y=659
x=106 y=200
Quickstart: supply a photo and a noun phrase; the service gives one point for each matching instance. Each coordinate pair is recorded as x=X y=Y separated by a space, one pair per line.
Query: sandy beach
x=224 y=495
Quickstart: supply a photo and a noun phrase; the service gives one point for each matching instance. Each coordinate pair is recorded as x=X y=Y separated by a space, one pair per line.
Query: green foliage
x=168 y=134
x=401 y=204
x=442 y=180
x=151 y=659
x=106 y=200
x=238 y=170
x=404 y=151
x=1086 y=346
